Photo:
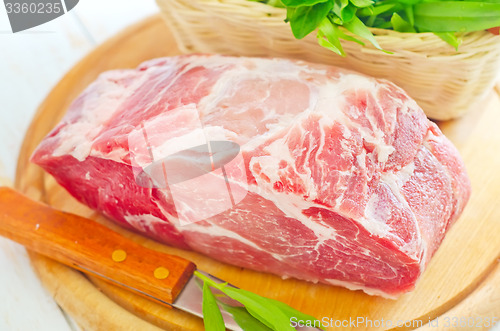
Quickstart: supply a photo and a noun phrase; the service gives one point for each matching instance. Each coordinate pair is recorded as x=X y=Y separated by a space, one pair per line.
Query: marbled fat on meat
x=348 y=182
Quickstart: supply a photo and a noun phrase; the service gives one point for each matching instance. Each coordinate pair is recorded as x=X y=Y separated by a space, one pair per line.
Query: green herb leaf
x=328 y=37
x=212 y=317
x=491 y=1
x=362 y=3
x=410 y=16
x=338 y=6
x=272 y=313
x=411 y=2
x=342 y=35
x=275 y=3
x=304 y=20
x=289 y=311
x=399 y=24
x=348 y=13
x=438 y=16
x=330 y=42
x=381 y=24
x=243 y=318
x=335 y=19
x=289 y=13
x=358 y=28
x=450 y=38
x=456 y=16
x=259 y=308
x=376 y=10
x=302 y=3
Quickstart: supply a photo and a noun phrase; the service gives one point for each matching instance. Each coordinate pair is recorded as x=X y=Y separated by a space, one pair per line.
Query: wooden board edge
x=53 y=284
x=93 y=310
x=483 y=303
x=64 y=283
x=24 y=167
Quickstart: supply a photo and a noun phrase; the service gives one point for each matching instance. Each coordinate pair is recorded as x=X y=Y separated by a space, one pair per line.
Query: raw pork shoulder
x=335 y=177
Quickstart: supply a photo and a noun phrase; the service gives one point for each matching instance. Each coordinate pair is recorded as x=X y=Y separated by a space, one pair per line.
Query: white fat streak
x=375 y=136
x=222 y=89
x=270 y=164
x=76 y=140
x=193 y=138
x=214 y=230
x=99 y=106
x=143 y=222
x=396 y=180
x=383 y=152
x=173 y=145
x=169 y=65
x=116 y=154
x=259 y=68
x=327 y=103
x=375 y=217
x=265 y=69
x=171 y=218
x=355 y=286
x=361 y=159
x=324 y=101
x=381 y=148
x=292 y=206
x=198 y=135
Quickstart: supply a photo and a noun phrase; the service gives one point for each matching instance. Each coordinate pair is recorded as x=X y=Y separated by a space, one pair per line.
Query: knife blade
x=94 y=249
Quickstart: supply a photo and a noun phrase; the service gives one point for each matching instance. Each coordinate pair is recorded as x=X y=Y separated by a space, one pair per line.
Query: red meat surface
x=340 y=178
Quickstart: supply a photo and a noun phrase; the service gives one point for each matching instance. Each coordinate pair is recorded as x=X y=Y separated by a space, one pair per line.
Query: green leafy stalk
x=400 y=24
x=244 y=319
x=306 y=19
x=450 y=38
x=331 y=17
x=357 y=27
x=271 y=314
x=328 y=37
x=212 y=317
x=456 y=16
x=301 y=3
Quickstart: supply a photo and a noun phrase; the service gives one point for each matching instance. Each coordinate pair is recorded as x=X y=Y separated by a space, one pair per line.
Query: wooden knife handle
x=92 y=248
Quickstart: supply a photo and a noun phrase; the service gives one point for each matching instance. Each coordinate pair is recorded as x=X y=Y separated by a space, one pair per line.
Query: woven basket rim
x=443 y=80
x=276 y=14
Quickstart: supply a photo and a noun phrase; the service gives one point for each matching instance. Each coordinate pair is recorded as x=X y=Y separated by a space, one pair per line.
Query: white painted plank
x=25 y=304
x=103 y=19
x=31 y=63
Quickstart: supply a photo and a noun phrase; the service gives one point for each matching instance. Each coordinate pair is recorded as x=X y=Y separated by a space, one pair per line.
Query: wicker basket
x=444 y=82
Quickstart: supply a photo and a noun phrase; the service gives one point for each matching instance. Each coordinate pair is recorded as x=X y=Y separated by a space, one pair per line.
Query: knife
x=94 y=249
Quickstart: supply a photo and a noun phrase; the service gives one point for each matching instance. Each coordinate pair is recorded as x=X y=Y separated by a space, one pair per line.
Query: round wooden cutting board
x=467 y=261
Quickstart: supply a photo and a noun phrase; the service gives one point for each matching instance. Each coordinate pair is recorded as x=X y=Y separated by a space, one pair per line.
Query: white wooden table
x=31 y=63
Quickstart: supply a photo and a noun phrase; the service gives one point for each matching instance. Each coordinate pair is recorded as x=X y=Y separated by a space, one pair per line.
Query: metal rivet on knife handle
x=93 y=248
x=161 y=273
x=119 y=255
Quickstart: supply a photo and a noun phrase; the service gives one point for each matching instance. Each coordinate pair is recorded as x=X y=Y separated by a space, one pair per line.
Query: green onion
x=258 y=313
x=332 y=17
x=212 y=317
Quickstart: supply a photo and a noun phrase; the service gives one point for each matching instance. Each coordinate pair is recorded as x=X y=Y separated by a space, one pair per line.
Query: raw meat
x=340 y=178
